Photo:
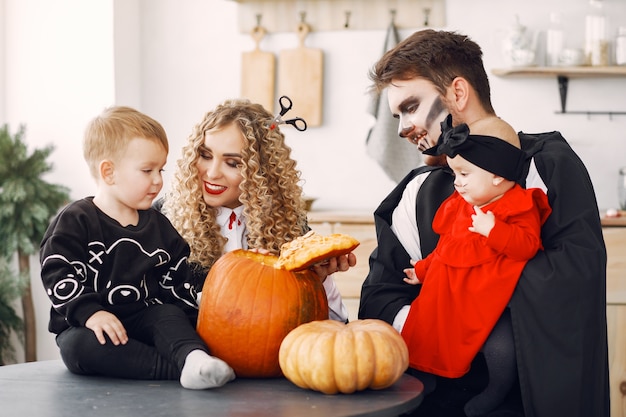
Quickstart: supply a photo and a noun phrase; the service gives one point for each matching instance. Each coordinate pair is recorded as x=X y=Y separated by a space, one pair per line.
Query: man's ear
x=458 y=94
x=107 y=171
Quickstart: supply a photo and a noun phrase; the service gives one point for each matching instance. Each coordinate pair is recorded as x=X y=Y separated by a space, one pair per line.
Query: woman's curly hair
x=270 y=190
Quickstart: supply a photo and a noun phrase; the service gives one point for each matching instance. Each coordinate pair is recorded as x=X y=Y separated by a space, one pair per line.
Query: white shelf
x=586 y=71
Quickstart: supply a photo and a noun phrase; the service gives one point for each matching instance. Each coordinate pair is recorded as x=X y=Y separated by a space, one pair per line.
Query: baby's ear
x=107 y=171
x=497 y=180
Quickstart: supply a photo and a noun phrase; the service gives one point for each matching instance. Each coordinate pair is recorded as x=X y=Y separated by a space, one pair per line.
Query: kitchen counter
x=341 y=216
x=619 y=221
x=367 y=217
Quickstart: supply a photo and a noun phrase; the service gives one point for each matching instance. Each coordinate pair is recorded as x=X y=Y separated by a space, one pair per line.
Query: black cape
x=558 y=309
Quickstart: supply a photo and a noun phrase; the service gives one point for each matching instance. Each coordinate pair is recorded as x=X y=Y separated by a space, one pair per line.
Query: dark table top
x=47 y=388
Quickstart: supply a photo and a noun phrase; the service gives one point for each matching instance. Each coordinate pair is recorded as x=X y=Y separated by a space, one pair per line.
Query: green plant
x=27 y=203
x=11 y=287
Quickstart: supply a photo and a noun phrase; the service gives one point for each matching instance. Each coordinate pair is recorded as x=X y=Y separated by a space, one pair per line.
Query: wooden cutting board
x=258 y=73
x=300 y=74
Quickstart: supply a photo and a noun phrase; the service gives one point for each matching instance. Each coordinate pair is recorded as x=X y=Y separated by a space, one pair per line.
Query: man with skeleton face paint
x=559 y=302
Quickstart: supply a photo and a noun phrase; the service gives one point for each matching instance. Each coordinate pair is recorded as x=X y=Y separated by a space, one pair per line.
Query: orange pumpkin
x=332 y=357
x=248 y=307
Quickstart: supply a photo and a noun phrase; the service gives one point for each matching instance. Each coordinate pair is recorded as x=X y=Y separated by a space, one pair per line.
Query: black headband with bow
x=488 y=152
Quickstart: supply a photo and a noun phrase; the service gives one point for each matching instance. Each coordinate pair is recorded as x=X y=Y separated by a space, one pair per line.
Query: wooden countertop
x=367 y=217
x=341 y=216
x=619 y=221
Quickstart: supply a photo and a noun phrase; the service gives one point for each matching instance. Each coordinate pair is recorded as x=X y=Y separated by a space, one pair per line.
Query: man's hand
x=102 y=322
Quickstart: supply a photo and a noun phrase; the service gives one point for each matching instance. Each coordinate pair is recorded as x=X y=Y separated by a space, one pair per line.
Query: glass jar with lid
x=620 y=46
x=621 y=188
x=596 y=36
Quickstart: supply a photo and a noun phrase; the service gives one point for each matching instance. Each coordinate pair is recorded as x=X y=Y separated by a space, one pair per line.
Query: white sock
x=202 y=371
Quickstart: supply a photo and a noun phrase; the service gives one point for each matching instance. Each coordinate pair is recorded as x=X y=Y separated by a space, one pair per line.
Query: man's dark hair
x=437 y=56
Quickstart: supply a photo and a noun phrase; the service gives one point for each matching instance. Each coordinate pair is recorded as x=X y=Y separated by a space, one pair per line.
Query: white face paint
x=420 y=109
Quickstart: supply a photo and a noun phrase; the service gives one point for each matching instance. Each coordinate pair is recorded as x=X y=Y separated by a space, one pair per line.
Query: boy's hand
x=102 y=322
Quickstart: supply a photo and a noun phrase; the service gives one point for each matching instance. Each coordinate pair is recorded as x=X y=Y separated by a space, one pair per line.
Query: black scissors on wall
x=285 y=105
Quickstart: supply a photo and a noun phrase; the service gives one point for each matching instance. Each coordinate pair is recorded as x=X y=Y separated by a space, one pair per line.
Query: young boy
x=116 y=270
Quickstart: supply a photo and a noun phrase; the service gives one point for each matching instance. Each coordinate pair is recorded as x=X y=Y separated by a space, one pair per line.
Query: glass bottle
x=554 y=40
x=620 y=46
x=596 y=39
x=621 y=188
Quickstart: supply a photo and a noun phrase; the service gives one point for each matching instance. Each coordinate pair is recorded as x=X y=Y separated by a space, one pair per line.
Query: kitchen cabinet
x=361 y=226
x=614 y=231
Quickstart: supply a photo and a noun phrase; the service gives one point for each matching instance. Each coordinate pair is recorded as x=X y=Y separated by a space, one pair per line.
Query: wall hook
x=426 y=16
x=258 y=32
x=346 y=25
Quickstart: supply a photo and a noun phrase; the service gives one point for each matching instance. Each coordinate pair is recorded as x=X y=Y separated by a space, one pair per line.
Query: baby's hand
x=411 y=277
x=482 y=223
x=102 y=322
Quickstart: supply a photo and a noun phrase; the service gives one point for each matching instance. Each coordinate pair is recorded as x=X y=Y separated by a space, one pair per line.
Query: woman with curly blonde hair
x=236 y=186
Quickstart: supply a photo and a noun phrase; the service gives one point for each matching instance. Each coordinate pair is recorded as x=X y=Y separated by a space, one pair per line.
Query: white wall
x=529 y=104
x=64 y=60
x=58 y=73
x=191 y=59
x=177 y=62
x=2 y=64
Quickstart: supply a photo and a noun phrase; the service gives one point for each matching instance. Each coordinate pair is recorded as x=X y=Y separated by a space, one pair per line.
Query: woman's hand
x=260 y=250
x=331 y=265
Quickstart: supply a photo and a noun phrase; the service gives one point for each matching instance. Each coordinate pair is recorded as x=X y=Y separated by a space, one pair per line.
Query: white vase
x=518 y=45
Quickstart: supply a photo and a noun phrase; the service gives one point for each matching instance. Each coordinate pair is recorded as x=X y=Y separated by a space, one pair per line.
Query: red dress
x=468 y=279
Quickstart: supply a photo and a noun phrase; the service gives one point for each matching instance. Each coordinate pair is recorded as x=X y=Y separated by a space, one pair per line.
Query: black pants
x=451 y=394
x=160 y=338
x=446 y=397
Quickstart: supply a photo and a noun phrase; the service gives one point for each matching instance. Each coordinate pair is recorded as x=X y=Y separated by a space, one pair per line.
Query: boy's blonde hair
x=108 y=134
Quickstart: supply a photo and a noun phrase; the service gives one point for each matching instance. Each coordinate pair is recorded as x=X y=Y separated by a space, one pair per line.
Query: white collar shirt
x=235 y=231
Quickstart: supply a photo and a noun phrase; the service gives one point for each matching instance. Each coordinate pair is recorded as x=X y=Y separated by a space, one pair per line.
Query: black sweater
x=89 y=262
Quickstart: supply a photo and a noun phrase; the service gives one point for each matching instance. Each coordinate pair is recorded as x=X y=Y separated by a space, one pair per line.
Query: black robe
x=558 y=309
